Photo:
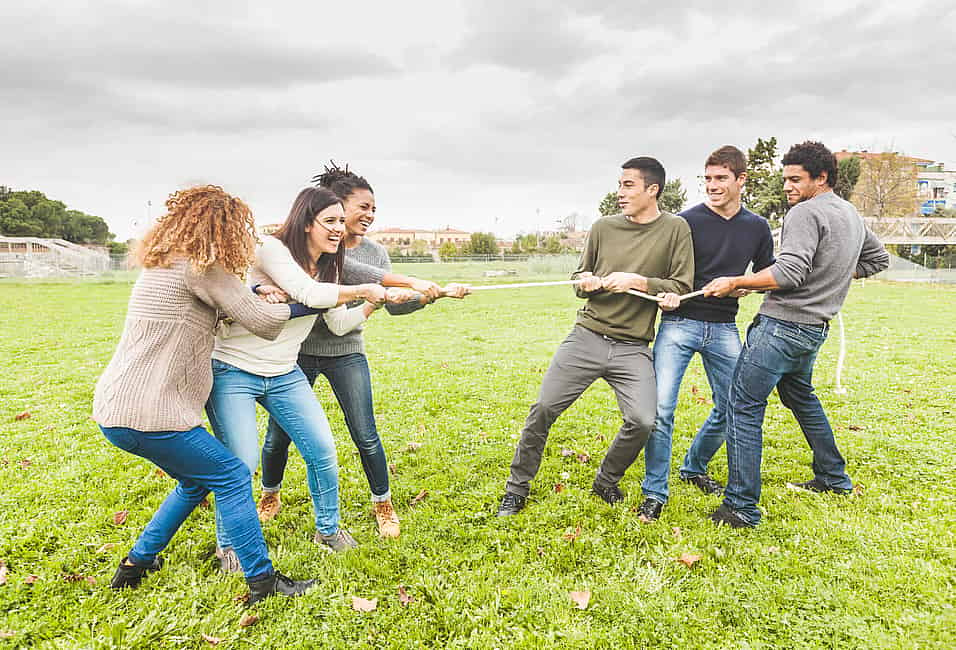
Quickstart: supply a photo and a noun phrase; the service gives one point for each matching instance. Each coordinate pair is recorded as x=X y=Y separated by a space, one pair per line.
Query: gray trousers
x=583 y=357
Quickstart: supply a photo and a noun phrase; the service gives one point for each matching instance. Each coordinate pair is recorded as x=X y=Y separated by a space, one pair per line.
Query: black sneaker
x=609 y=494
x=819 y=487
x=725 y=515
x=276 y=584
x=704 y=483
x=511 y=504
x=649 y=511
x=131 y=576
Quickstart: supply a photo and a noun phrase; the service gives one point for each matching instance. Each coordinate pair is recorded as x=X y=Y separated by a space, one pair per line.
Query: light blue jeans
x=678 y=338
x=289 y=399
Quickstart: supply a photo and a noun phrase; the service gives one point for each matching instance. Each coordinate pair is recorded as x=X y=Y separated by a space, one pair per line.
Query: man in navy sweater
x=727 y=239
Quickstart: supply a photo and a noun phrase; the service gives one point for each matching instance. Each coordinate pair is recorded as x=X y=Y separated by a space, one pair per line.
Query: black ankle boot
x=275 y=584
x=131 y=576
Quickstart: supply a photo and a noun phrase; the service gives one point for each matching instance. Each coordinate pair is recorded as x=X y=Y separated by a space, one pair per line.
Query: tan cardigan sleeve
x=226 y=292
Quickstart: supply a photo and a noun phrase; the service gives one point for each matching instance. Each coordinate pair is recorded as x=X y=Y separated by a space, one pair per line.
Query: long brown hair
x=205 y=225
x=307 y=205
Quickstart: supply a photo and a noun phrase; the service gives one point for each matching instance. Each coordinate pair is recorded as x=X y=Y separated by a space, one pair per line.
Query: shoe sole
x=799 y=488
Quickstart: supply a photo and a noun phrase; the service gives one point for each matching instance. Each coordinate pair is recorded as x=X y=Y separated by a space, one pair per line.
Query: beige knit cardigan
x=160 y=375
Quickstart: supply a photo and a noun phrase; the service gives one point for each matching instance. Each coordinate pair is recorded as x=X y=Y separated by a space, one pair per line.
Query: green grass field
x=876 y=570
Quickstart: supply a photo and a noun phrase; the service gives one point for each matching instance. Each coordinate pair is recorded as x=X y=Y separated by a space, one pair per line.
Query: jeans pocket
x=803 y=339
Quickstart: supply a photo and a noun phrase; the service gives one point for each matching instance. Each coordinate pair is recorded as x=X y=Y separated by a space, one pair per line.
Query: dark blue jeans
x=777 y=354
x=678 y=339
x=202 y=465
x=352 y=384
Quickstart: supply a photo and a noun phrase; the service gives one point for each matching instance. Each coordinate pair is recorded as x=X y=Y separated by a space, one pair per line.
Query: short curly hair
x=815 y=158
x=204 y=225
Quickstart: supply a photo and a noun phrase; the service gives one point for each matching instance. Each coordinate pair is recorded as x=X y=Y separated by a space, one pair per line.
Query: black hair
x=341 y=182
x=815 y=158
x=309 y=203
x=652 y=171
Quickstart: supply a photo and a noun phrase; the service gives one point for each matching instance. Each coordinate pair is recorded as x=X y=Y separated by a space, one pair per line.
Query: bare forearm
x=760 y=281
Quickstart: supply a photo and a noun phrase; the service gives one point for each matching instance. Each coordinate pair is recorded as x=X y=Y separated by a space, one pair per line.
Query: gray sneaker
x=228 y=560
x=339 y=541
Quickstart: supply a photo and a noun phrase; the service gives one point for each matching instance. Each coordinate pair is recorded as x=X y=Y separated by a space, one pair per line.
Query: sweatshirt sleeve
x=873 y=257
x=224 y=291
x=274 y=260
x=798 y=245
x=342 y=320
x=586 y=263
x=680 y=273
x=354 y=272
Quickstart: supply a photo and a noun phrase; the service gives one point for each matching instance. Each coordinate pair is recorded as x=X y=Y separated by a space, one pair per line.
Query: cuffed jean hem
x=381 y=498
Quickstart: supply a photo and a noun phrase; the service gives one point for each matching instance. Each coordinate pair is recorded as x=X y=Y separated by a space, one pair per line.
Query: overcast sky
x=483 y=115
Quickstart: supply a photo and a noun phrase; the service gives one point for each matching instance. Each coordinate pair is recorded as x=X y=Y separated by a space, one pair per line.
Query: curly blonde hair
x=205 y=225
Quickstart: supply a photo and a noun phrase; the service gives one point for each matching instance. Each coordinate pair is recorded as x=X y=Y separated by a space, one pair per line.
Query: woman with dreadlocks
x=149 y=399
x=341 y=358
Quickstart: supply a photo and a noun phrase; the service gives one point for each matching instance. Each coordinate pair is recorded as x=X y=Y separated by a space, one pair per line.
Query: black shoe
x=511 y=504
x=704 y=483
x=609 y=494
x=131 y=576
x=276 y=584
x=650 y=510
x=725 y=515
x=819 y=487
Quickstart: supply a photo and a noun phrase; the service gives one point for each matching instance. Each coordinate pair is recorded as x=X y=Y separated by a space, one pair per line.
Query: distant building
x=404 y=238
x=935 y=186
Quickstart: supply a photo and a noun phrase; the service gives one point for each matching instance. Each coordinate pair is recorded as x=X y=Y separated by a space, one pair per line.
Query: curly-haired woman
x=149 y=399
x=341 y=358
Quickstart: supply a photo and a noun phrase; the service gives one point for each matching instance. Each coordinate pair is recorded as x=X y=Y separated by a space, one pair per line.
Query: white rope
x=840 y=390
x=523 y=285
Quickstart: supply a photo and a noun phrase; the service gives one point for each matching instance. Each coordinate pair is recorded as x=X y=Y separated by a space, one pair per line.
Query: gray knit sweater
x=823 y=245
x=160 y=376
x=323 y=343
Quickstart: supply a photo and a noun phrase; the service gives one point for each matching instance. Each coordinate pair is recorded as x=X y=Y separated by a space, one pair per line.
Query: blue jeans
x=289 y=398
x=350 y=380
x=777 y=353
x=202 y=465
x=678 y=338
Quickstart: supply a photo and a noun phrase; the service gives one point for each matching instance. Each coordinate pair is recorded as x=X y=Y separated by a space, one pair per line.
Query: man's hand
x=740 y=293
x=399 y=295
x=590 y=282
x=456 y=290
x=427 y=288
x=620 y=282
x=272 y=294
x=720 y=287
x=670 y=302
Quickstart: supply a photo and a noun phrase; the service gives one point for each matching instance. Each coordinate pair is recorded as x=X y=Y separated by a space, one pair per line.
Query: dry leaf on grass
x=211 y=640
x=413 y=446
x=22 y=416
x=204 y=504
x=418 y=498
x=364 y=604
x=119 y=518
x=677 y=532
x=7 y=634
x=559 y=487
x=4 y=572
x=583 y=458
x=160 y=473
x=109 y=546
x=571 y=536
x=565 y=452
x=688 y=559
x=404 y=597
x=248 y=619
x=580 y=598
x=30 y=579
x=26 y=462
x=392 y=468
x=858 y=489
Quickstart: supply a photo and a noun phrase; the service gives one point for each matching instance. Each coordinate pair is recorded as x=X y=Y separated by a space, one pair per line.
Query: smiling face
x=633 y=197
x=359 y=212
x=326 y=230
x=723 y=187
x=799 y=186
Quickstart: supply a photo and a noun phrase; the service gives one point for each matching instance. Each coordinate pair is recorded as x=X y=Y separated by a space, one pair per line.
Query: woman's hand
x=427 y=288
x=272 y=294
x=373 y=293
x=398 y=295
x=456 y=290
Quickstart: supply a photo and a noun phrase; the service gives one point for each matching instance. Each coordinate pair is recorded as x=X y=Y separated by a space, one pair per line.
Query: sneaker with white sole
x=386 y=519
x=269 y=506
x=338 y=542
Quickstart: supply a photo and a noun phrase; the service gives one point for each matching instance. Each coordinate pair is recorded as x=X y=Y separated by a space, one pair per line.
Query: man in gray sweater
x=824 y=245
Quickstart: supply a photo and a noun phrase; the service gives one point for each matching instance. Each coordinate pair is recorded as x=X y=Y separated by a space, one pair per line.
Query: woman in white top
x=304 y=257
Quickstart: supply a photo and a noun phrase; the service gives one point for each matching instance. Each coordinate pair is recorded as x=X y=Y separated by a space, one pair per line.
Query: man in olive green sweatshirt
x=643 y=249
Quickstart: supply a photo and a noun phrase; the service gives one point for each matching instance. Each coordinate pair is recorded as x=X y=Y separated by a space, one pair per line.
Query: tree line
x=32 y=214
